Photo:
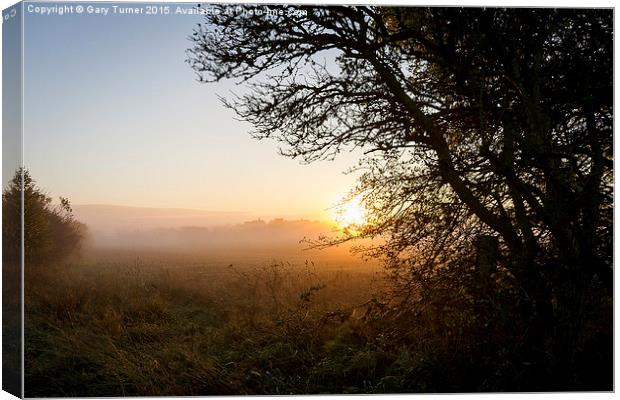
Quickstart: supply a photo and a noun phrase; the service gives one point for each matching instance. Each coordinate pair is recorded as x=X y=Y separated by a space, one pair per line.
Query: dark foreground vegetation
x=137 y=327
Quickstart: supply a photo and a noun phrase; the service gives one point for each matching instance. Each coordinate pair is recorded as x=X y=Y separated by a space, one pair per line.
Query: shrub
x=51 y=233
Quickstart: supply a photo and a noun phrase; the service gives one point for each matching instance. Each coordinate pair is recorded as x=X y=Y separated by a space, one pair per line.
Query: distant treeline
x=258 y=233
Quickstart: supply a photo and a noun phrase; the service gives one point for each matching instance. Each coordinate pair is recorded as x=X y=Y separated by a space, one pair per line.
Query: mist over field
x=228 y=236
x=107 y=219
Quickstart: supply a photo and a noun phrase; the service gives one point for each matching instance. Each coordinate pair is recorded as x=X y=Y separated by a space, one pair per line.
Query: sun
x=350 y=214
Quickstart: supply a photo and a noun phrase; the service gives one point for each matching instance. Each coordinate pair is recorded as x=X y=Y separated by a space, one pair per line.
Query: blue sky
x=114 y=115
x=11 y=106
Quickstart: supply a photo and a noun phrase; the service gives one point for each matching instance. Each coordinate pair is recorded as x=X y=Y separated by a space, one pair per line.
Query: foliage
x=116 y=327
x=51 y=234
x=476 y=123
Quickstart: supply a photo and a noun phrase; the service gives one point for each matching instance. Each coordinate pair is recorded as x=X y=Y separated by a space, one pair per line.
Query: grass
x=138 y=327
x=11 y=328
x=107 y=330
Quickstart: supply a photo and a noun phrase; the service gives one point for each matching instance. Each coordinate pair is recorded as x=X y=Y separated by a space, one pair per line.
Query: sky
x=114 y=115
x=11 y=107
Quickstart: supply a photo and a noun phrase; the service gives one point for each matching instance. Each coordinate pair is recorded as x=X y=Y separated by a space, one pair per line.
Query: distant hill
x=108 y=219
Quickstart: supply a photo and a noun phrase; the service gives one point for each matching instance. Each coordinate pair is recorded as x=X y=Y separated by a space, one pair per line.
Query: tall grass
x=140 y=326
x=111 y=329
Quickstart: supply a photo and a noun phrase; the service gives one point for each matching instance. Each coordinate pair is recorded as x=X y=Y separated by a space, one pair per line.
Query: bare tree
x=475 y=123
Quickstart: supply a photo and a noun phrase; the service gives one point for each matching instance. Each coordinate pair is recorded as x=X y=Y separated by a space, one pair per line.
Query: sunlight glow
x=350 y=214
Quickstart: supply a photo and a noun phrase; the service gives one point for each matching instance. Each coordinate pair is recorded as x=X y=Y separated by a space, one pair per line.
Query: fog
x=104 y=220
x=227 y=236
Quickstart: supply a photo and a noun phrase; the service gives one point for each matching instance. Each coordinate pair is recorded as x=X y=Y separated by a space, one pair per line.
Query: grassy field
x=151 y=323
x=127 y=327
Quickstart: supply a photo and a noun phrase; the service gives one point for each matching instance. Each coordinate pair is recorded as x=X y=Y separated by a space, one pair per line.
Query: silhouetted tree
x=482 y=128
x=51 y=234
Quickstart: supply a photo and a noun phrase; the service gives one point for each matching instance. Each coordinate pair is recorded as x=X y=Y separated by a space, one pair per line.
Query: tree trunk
x=569 y=296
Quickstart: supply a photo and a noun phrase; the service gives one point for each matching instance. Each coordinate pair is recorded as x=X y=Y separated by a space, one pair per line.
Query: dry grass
x=157 y=324
x=127 y=328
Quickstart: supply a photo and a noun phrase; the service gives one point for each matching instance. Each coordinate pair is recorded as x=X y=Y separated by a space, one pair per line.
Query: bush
x=51 y=233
